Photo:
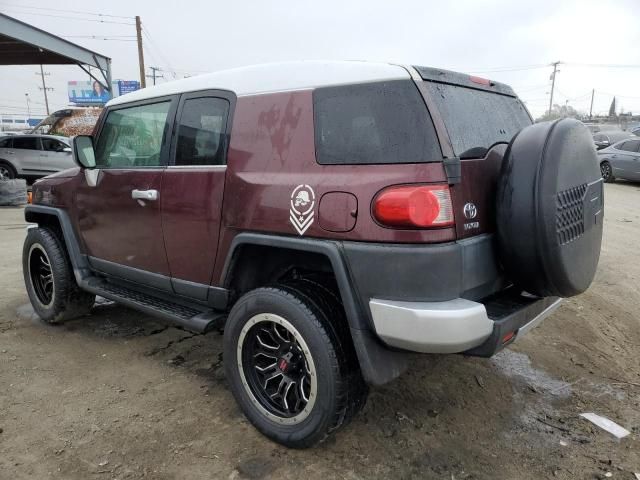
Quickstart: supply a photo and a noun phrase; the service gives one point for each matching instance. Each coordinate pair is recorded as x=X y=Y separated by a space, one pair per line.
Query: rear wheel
x=7 y=172
x=290 y=369
x=607 y=172
x=49 y=278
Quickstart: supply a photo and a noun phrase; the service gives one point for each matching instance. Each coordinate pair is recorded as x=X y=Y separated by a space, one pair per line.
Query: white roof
x=274 y=77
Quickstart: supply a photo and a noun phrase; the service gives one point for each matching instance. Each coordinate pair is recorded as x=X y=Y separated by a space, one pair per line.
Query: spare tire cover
x=550 y=209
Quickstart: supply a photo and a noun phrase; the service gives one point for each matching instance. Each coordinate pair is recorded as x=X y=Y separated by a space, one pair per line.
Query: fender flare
x=79 y=263
x=378 y=363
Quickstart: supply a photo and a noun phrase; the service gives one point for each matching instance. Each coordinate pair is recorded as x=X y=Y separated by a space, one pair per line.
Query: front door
x=55 y=155
x=118 y=204
x=26 y=153
x=192 y=190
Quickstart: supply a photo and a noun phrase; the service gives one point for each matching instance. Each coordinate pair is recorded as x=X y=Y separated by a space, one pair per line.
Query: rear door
x=118 y=203
x=53 y=154
x=193 y=187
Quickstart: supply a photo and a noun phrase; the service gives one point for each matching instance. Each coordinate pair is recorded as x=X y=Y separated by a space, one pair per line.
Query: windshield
x=476 y=119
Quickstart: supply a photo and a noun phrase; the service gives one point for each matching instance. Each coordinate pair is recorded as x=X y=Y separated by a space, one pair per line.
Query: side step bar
x=188 y=317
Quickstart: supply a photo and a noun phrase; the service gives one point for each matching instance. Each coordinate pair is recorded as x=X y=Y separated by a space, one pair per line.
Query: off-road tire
x=318 y=317
x=67 y=300
x=607 y=172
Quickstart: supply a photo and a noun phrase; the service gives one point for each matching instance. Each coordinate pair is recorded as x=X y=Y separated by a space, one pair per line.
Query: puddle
x=518 y=365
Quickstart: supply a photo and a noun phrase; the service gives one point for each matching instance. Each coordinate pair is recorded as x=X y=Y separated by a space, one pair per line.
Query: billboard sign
x=92 y=93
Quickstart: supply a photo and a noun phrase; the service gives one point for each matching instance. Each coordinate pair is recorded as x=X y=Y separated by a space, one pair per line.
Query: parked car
x=34 y=155
x=636 y=131
x=608 y=138
x=621 y=160
x=332 y=216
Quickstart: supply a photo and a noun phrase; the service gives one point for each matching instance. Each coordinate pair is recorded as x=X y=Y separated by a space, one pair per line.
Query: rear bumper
x=459 y=325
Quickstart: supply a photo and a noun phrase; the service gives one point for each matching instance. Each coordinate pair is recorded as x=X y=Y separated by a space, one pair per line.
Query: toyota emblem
x=470 y=211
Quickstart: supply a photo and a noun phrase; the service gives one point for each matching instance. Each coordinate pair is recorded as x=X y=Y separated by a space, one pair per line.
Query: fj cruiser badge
x=301 y=212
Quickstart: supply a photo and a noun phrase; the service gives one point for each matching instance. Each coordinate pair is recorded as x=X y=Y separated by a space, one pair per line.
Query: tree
x=561 y=111
x=612 y=108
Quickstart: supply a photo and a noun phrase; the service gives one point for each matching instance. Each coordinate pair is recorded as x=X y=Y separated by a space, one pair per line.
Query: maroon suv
x=331 y=215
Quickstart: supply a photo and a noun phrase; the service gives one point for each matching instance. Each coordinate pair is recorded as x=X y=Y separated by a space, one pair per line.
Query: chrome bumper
x=438 y=327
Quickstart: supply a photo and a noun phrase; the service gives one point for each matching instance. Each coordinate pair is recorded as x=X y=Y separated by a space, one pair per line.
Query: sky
x=505 y=40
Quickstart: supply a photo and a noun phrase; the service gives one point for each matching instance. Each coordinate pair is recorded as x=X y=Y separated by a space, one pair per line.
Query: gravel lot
x=118 y=395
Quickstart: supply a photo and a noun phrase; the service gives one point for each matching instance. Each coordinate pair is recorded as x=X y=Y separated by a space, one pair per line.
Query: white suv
x=33 y=155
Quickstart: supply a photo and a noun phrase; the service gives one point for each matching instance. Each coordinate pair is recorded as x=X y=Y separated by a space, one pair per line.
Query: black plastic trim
x=528 y=310
x=378 y=363
x=131 y=274
x=79 y=263
x=424 y=273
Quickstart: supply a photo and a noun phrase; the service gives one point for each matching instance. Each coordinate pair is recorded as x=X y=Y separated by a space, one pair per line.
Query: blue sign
x=93 y=93
x=128 y=86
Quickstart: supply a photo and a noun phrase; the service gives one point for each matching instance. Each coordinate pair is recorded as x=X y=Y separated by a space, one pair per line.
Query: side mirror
x=83 y=152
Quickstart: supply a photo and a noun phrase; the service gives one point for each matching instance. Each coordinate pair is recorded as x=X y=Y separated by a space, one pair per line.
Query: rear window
x=374 y=123
x=476 y=118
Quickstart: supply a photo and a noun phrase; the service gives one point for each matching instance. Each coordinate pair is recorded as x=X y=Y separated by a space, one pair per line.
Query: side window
x=52 y=145
x=6 y=143
x=375 y=123
x=133 y=137
x=26 y=143
x=201 y=132
x=598 y=138
x=629 y=146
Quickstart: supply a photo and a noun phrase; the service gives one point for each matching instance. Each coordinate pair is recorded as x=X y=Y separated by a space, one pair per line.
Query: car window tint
x=202 y=132
x=26 y=143
x=373 y=123
x=52 y=145
x=477 y=118
x=633 y=145
x=629 y=146
x=133 y=137
x=5 y=143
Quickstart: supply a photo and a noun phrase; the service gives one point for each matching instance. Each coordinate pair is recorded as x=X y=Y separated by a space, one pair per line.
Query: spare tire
x=550 y=209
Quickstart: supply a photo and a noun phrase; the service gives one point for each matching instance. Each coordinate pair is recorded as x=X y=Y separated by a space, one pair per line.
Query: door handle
x=150 y=195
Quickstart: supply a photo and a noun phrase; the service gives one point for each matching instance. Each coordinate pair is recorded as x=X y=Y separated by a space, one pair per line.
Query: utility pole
x=44 y=87
x=153 y=74
x=28 y=105
x=593 y=91
x=553 y=84
x=143 y=82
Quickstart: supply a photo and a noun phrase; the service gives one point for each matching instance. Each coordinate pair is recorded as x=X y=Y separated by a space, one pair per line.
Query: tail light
x=480 y=80
x=414 y=206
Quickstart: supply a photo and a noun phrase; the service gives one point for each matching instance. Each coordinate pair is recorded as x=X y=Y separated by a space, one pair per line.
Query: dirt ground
x=119 y=395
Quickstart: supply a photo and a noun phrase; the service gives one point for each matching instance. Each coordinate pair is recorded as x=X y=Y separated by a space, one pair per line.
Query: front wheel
x=290 y=368
x=607 y=172
x=49 y=278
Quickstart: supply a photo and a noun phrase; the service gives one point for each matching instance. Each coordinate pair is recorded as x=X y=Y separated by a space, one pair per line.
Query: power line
x=145 y=31
x=601 y=65
x=508 y=69
x=83 y=12
x=72 y=18
x=107 y=39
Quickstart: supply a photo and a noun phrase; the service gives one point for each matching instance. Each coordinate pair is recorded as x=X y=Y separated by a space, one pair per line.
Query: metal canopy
x=23 y=44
